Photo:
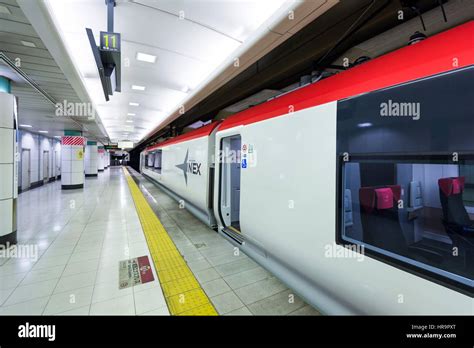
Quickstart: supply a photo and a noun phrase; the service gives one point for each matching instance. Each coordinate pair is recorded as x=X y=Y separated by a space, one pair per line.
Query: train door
x=230 y=182
x=25 y=169
x=45 y=166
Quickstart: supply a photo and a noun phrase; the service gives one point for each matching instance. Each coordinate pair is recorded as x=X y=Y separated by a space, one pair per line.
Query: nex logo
x=188 y=166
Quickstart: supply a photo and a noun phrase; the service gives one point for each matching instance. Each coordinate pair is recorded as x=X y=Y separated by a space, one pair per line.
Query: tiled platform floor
x=235 y=284
x=83 y=234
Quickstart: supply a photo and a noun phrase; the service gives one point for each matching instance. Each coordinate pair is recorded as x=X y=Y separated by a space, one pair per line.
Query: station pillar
x=106 y=159
x=8 y=165
x=91 y=158
x=101 y=158
x=72 y=160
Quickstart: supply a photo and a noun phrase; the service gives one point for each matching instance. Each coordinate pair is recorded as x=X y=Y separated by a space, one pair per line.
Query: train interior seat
x=458 y=225
x=381 y=224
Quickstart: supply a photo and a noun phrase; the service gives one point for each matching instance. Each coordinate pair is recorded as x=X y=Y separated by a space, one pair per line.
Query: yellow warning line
x=182 y=291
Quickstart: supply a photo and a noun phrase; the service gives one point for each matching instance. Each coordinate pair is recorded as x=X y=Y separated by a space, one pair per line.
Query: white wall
x=37 y=144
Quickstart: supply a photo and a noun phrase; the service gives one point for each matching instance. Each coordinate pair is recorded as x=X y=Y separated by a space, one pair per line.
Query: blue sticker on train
x=244 y=163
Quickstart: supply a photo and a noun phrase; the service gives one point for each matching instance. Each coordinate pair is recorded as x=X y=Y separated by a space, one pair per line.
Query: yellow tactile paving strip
x=182 y=291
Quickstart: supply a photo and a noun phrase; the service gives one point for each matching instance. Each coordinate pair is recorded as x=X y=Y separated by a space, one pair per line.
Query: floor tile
x=215 y=287
x=69 y=300
x=31 y=307
x=71 y=282
x=226 y=302
x=109 y=290
x=282 y=303
x=29 y=292
x=159 y=311
x=241 y=279
x=148 y=300
x=240 y=311
x=81 y=267
x=42 y=274
x=123 y=305
x=260 y=290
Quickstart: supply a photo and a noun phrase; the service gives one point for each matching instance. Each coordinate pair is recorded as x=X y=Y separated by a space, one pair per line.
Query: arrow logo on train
x=189 y=166
x=184 y=167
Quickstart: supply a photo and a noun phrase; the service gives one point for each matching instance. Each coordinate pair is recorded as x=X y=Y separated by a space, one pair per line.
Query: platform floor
x=83 y=234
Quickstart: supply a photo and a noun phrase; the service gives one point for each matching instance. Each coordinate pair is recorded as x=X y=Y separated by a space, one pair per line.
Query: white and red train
x=357 y=191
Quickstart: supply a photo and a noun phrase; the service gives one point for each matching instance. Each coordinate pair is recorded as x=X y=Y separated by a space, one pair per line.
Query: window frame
x=433 y=158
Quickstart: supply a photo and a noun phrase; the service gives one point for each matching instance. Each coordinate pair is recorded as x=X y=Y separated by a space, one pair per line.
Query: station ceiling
x=188 y=45
x=21 y=46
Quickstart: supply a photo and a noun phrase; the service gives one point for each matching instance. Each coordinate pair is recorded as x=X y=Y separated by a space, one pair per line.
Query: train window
x=416 y=211
x=153 y=161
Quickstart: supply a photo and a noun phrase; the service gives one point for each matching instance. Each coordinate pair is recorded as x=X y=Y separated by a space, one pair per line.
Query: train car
x=183 y=167
x=357 y=191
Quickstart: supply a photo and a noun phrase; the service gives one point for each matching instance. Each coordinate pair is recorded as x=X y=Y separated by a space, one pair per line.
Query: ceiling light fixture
x=130 y=121
x=26 y=125
x=131 y=114
x=138 y=88
x=28 y=43
x=133 y=104
x=42 y=131
x=148 y=58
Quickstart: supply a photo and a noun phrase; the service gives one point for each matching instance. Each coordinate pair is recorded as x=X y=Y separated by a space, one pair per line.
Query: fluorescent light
x=57 y=136
x=364 y=125
x=129 y=121
x=26 y=125
x=133 y=104
x=146 y=57
x=131 y=114
x=138 y=88
x=28 y=44
x=4 y=9
x=42 y=131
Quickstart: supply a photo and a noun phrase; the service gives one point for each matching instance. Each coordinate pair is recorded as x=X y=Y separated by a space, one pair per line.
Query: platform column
x=106 y=159
x=8 y=165
x=91 y=158
x=101 y=159
x=72 y=160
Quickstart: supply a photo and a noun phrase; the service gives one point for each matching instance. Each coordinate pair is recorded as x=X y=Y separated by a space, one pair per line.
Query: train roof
x=449 y=50
x=197 y=133
x=428 y=57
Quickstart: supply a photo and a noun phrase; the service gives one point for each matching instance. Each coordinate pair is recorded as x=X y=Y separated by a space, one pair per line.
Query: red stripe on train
x=449 y=50
x=432 y=56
